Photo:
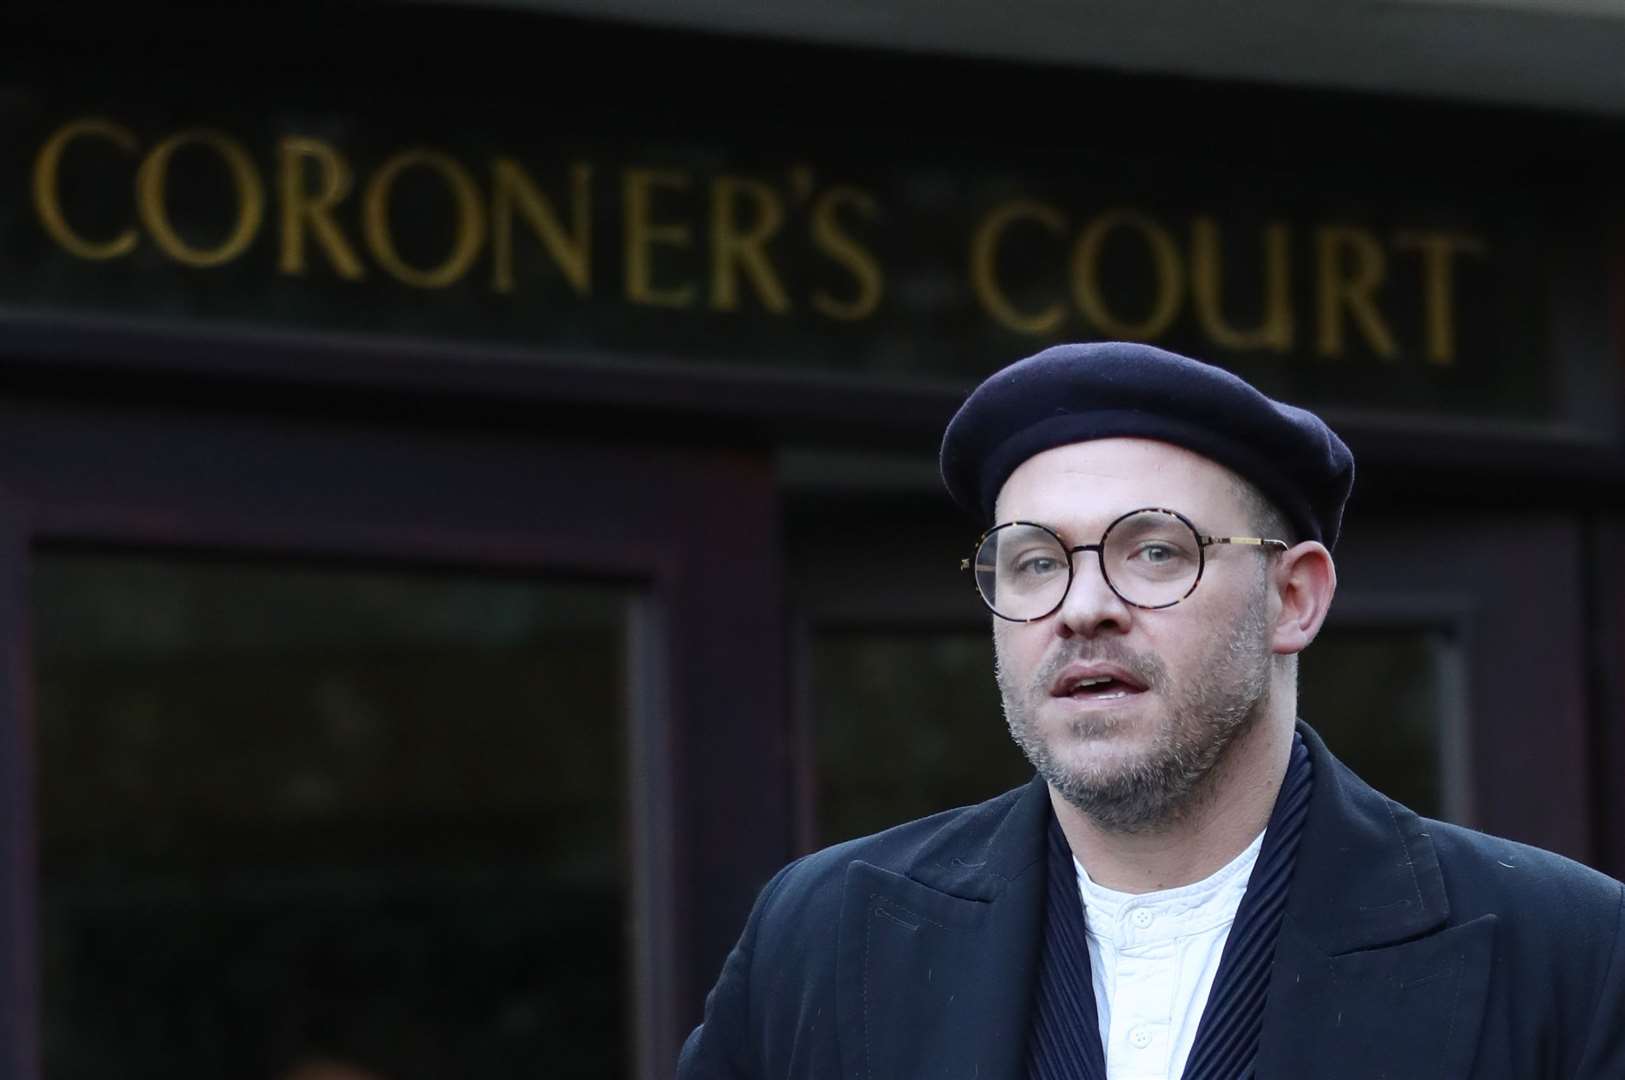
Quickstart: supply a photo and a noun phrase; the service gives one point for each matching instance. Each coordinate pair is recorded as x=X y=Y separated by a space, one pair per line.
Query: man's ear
x=1304 y=580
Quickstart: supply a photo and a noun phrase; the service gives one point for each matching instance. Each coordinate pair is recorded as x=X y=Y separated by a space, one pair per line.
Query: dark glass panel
x=306 y=819
x=1385 y=702
x=907 y=723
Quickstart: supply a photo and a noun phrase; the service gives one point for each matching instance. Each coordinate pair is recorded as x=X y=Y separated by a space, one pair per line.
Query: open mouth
x=1100 y=687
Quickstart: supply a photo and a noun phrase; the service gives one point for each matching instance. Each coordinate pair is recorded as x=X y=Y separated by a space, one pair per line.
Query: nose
x=1090 y=607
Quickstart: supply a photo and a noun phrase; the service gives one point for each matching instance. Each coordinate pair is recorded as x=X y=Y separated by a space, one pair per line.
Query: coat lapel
x=936 y=967
x=1366 y=980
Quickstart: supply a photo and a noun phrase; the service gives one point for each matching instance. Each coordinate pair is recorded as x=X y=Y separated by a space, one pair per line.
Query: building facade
x=468 y=509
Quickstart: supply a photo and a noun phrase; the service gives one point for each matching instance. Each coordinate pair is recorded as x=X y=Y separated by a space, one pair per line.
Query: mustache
x=1146 y=667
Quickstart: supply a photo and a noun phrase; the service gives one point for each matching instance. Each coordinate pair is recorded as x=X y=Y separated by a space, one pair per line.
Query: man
x=1191 y=886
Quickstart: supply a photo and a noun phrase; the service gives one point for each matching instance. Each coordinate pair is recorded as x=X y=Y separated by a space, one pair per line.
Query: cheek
x=1014 y=651
x=1177 y=644
x=1209 y=639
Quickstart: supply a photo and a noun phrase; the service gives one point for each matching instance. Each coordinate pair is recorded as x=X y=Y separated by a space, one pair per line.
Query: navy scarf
x=1065 y=1040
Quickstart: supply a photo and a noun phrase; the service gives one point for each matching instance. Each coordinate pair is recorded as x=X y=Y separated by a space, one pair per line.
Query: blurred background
x=468 y=509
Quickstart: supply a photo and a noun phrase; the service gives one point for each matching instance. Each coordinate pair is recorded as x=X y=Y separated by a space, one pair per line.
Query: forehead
x=1089 y=483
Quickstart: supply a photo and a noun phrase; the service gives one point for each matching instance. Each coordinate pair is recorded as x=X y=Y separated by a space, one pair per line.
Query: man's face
x=1136 y=751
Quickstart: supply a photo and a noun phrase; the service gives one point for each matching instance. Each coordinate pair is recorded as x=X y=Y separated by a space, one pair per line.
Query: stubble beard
x=1222 y=701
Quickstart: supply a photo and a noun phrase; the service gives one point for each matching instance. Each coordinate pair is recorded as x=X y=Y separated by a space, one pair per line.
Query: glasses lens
x=1022 y=571
x=1152 y=558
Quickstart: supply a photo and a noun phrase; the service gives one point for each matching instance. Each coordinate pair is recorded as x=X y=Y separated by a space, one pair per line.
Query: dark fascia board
x=333 y=377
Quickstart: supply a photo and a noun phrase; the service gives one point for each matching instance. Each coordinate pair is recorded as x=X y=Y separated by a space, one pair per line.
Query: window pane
x=295 y=816
x=1385 y=699
x=907 y=724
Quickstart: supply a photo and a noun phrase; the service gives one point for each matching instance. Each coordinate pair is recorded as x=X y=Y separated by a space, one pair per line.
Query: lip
x=1073 y=674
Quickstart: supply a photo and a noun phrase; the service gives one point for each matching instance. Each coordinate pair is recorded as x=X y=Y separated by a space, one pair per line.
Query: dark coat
x=1410 y=949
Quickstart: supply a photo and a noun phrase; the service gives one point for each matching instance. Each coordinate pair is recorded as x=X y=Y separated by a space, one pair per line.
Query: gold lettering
x=1164 y=258
x=638 y=187
x=732 y=249
x=1350 y=288
x=151 y=177
x=829 y=238
x=571 y=252
x=1439 y=250
x=470 y=234
x=301 y=209
x=984 y=272
x=1274 y=329
x=47 y=194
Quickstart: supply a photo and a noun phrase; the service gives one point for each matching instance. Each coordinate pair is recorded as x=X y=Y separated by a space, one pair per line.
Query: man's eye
x=1038 y=565
x=1155 y=553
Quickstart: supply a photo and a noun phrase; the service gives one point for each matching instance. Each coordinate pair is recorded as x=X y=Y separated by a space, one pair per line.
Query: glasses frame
x=1202 y=544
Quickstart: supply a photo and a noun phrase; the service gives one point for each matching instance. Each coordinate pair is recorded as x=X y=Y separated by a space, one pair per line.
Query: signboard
x=858 y=261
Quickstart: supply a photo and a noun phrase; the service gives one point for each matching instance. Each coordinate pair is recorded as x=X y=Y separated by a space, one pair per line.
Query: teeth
x=1096 y=681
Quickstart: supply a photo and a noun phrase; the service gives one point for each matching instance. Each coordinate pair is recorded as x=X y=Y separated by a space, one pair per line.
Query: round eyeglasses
x=1151 y=558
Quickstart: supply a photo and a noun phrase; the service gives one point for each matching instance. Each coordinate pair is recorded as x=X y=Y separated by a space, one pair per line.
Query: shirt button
x=1142 y=918
x=1140 y=1037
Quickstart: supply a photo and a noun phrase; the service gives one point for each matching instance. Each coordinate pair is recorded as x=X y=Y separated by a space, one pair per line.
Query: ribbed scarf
x=1064 y=1043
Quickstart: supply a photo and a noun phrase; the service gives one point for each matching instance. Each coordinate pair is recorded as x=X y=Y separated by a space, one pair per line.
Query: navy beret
x=1074 y=393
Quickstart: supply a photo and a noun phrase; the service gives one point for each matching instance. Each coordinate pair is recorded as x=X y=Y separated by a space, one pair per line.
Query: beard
x=1204 y=716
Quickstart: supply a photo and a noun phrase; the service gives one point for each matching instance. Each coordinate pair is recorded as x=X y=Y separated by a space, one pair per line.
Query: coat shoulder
x=772 y=1010
x=807 y=894
x=1490 y=875
x=1560 y=953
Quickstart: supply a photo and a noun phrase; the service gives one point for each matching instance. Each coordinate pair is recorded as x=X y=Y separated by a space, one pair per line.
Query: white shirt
x=1153 y=957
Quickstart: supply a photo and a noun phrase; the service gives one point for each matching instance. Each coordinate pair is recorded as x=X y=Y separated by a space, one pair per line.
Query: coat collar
x=986 y=848
x=1369 y=977
x=1370 y=874
x=1367 y=875
x=938 y=950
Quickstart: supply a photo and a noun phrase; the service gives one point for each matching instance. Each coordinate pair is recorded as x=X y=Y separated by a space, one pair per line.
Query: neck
x=1214 y=830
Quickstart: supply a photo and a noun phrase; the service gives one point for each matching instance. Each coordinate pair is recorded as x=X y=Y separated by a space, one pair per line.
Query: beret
x=1075 y=393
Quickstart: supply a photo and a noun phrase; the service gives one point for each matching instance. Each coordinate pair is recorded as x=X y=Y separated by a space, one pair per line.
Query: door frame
x=707 y=700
